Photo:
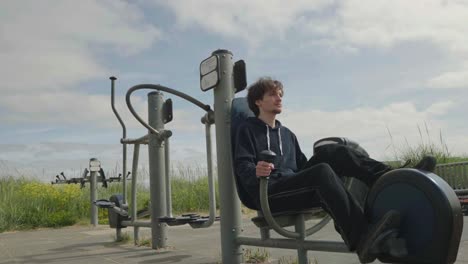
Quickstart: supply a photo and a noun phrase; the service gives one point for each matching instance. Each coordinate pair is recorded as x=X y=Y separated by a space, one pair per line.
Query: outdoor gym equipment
x=87 y=177
x=432 y=221
x=441 y=221
x=93 y=175
x=159 y=114
x=431 y=212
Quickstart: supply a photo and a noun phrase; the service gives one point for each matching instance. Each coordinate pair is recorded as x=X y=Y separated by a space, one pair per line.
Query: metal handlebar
x=271 y=220
x=207 y=120
x=124 y=129
x=124 y=136
x=164 y=89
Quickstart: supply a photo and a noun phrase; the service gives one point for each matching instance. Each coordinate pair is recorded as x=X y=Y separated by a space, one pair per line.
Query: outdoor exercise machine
x=93 y=175
x=94 y=171
x=432 y=221
x=121 y=214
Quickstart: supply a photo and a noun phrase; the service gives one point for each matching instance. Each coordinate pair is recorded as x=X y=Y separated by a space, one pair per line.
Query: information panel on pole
x=209 y=75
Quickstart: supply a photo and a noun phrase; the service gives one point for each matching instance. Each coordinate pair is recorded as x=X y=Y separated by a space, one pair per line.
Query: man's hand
x=263 y=169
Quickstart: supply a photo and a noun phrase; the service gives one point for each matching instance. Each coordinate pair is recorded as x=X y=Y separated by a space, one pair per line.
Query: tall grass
x=189 y=190
x=413 y=153
x=28 y=203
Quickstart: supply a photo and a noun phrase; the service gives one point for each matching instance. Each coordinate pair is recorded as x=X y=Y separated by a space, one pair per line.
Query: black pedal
x=181 y=220
x=191 y=216
x=166 y=219
x=390 y=244
x=103 y=203
x=197 y=223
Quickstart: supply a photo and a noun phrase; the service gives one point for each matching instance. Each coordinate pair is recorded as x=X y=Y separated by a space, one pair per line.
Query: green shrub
x=28 y=203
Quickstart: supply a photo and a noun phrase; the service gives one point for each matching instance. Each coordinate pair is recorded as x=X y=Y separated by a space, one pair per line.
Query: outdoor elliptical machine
x=432 y=220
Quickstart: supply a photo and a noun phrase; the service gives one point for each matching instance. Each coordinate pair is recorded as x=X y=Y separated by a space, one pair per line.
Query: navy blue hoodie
x=254 y=136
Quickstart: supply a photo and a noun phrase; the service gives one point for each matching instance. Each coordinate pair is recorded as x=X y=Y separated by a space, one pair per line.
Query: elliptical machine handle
x=267 y=155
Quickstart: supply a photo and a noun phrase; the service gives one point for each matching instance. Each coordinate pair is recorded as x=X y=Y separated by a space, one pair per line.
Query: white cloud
x=49 y=45
x=440 y=108
x=451 y=80
x=371 y=126
x=62 y=109
x=253 y=21
x=45 y=160
x=346 y=26
x=388 y=23
x=66 y=108
x=351 y=23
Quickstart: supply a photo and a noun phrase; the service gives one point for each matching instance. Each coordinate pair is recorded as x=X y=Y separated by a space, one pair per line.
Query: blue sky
x=350 y=68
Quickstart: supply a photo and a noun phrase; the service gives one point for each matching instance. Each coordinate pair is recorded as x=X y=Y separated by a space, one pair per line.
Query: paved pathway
x=73 y=245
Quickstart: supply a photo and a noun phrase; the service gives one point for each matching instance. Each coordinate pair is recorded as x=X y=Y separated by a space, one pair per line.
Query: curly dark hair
x=259 y=88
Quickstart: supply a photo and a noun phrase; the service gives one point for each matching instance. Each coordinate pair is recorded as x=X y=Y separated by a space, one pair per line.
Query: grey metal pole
x=124 y=135
x=136 y=229
x=314 y=245
x=208 y=120
x=157 y=170
x=168 y=178
x=300 y=229
x=118 y=233
x=211 y=181
x=124 y=174
x=231 y=225
x=94 y=209
x=94 y=167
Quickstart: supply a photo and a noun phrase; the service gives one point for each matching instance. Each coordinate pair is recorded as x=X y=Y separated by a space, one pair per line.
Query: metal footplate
x=106 y=204
x=193 y=220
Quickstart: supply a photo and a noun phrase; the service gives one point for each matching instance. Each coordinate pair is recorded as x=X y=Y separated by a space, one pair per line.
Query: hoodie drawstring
x=279 y=138
x=280 y=144
x=268 y=137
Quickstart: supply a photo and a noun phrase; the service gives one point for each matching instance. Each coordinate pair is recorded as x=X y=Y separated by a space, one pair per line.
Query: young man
x=296 y=183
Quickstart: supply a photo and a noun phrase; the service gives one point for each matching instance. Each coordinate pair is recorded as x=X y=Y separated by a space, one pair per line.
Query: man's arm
x=245 y=156
x=246 y=166
x=301 y=159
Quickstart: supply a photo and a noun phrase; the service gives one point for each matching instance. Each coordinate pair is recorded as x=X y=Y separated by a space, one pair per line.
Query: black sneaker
x=388 y=224
x=427 y=163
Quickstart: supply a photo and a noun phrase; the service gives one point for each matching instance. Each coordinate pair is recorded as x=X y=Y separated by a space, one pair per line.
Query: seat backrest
x=240 y=111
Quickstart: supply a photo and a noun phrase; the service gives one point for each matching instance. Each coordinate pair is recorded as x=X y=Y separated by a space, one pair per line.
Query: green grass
x=28 y=203
x=425 y=146
x=291 y=260
x=456 y=177
x=145 y=242
x=124 y=238
x=257 y=255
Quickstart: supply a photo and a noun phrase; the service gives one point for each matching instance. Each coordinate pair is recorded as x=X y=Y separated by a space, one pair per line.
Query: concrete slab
x=75 y=245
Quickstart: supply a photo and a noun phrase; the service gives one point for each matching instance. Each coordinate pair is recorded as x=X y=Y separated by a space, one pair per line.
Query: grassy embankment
x=28 y=203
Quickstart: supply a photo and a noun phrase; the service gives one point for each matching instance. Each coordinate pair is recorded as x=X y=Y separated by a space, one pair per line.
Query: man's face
x=271 y=102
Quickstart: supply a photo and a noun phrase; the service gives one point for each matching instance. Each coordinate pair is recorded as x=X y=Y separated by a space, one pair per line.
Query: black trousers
x=319 y=184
